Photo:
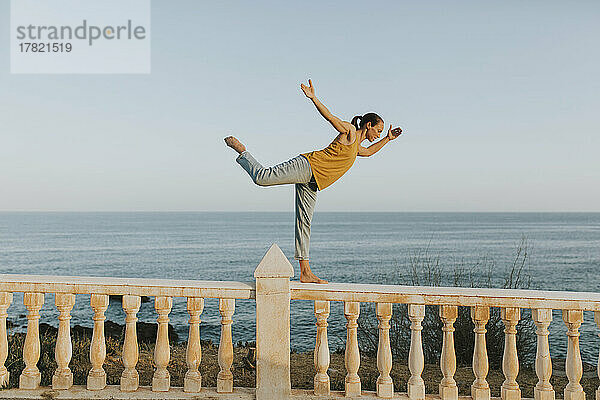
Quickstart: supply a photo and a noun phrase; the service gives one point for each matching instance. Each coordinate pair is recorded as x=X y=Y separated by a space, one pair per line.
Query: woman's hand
x=394 y=133
x=309 y=90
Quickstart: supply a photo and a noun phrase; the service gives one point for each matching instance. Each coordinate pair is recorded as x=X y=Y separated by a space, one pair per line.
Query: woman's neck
x=360 y=135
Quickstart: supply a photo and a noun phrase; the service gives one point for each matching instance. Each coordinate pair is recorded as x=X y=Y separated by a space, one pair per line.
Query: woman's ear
x=368 y=126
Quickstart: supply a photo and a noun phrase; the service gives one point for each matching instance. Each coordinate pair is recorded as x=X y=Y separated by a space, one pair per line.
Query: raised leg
x=295 y=170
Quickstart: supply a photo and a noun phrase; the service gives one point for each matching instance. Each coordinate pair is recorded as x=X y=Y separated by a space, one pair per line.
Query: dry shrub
x=427 y=270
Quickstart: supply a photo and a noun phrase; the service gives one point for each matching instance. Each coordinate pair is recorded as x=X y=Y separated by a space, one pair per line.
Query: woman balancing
x=317 y=170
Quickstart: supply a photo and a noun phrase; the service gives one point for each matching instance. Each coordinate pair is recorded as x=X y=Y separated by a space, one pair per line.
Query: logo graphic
x=75 y=36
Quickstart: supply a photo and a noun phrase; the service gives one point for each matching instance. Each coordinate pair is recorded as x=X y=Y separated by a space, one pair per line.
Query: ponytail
x=371 y=117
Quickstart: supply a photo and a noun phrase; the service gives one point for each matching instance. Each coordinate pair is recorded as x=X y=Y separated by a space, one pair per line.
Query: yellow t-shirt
x=329 y=164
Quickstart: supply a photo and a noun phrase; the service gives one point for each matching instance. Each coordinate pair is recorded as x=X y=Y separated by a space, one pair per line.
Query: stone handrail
x=273 y=292
x=457 y=296
x=125 y=286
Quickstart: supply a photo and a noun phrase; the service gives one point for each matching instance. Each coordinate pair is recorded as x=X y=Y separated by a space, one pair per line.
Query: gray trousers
x=295 y=171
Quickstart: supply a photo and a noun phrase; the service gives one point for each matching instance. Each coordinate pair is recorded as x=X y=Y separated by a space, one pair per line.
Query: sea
x=553 y=251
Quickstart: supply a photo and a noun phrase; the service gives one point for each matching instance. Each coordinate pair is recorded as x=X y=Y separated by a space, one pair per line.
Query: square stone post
x=273 y=325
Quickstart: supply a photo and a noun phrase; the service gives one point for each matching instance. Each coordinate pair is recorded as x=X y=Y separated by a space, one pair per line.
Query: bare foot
x=235 y=144
x=311 y=278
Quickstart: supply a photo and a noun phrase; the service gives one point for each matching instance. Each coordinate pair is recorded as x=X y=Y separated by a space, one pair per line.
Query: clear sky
x=498 y=101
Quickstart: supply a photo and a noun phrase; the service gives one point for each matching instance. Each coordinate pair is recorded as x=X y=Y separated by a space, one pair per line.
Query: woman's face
x=373 y=132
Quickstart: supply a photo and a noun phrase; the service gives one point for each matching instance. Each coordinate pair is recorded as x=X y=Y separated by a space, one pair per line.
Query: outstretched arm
x=338 y=124
x=375 y=147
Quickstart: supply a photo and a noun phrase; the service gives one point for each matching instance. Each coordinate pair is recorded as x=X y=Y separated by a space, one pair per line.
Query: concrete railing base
x=177 y=393
x=114 y=392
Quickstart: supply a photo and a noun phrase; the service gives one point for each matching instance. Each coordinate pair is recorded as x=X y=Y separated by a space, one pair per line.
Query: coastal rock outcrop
x=146 y=332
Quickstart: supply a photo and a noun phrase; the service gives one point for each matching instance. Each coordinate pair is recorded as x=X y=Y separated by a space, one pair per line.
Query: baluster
x=448 y=388
x=510 y=360
x=480 y=390
x=63 y=377
x=5 y=301
x=573 y=364
x=97 y=376
x=30 y=377
x=321 y=355
x=225 y=377
x=597 y=320
x=193 y=379
x=385 y=385
x=130 y=379
x=543 y=363
x=352 y=381
x=161 y=381
x=416 y=360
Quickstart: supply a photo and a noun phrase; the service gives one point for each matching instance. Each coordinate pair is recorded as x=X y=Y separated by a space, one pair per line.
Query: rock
x=114 y=330
x=79 y=330
x=146 y=332
x=47 y=330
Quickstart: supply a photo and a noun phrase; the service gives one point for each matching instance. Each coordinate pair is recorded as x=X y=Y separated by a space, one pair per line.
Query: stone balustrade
x=273 y=292
x=479 y=300
x=65 y=289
